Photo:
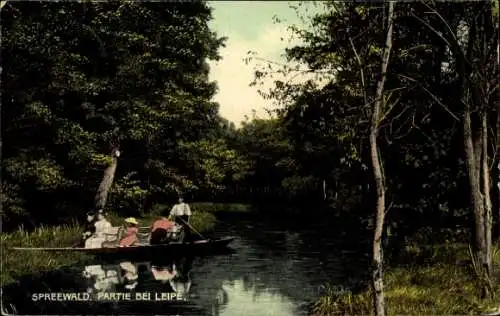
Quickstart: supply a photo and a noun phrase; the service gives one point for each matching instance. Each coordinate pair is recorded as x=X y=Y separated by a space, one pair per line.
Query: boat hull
x=170 y=249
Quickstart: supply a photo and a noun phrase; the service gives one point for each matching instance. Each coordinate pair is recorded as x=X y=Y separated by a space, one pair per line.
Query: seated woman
x=100 y=228
x=131 y=231
x=160 y=230
x=102 y=224
x=88 y=230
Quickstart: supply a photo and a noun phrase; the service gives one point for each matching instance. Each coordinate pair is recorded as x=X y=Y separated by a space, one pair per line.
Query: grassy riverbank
x=443 y=284
x=221 y=207
x=15 y=263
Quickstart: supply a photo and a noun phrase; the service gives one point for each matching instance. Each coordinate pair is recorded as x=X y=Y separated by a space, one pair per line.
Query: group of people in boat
x=99 y=232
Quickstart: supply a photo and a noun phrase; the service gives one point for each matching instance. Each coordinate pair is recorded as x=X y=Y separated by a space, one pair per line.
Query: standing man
x=181 y=213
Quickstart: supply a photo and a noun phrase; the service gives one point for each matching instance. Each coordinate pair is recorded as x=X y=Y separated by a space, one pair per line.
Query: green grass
x=441 y=287
x=221 y=207
x=17 y=263
x=203 y=221
x=208 y=207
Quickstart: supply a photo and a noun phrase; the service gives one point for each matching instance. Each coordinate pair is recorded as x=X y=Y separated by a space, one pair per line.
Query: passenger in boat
x=88 y=230
x=181 y=213
x=160 y=230
x=131 y=231
x=101 y=226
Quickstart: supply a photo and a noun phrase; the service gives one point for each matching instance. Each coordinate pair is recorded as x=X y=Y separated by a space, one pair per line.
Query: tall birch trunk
x=488 y=220
x=106 y=182
x=498 y=187
x=497 y=105
x=473 y=154
x=378 y=263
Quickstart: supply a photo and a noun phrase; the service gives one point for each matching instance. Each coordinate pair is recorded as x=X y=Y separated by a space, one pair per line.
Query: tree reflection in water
x=248 y=298
x=221 y=299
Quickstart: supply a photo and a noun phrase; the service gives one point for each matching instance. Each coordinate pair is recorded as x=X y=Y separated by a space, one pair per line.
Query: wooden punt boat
x=172 y=248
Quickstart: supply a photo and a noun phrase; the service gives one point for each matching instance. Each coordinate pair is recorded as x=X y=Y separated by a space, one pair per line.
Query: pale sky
x=249 y=26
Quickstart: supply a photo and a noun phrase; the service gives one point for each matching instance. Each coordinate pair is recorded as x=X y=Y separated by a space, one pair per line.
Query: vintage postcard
x=260 y=158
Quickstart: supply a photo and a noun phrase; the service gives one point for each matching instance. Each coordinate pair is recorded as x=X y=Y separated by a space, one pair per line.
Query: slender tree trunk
x=147 y=205
x=497 y=155
x=324 y=190
x=497 y=108
x=107 y=180
x=488 y=221
x=378 y=263
x=472 y=156
x=498 y=188
x=474 y=181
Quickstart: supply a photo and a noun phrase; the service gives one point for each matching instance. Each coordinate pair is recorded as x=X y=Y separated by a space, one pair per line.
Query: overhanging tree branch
x=361 y=73
x=433 y=96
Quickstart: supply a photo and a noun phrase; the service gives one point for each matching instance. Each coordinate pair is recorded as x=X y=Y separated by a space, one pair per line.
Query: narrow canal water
x=272 y=271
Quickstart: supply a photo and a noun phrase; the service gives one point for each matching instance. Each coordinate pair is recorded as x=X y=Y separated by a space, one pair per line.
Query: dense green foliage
x=438 y=133
x=81 y=79
x=421 y=138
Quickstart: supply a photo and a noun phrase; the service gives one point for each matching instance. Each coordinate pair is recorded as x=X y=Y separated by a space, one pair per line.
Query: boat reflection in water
x=129 y=275
x=158 y=277
x=126 y=276
x=101 y=278
x=180 y=283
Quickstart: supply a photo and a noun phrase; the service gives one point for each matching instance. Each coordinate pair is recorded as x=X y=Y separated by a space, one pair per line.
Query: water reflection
x=246 y=299
x=272 y=272
x=100 y=278
x=164 y=274
x=174 y=276
x=129 y=276
x=181 y=281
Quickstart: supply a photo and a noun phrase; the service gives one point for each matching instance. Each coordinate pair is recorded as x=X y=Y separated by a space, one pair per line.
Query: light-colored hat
x=131 y=220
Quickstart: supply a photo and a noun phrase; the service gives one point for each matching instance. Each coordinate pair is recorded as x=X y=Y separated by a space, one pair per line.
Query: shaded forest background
x=82 y=79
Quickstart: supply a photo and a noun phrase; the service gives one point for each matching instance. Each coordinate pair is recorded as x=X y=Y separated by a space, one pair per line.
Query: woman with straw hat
x=131 y=231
